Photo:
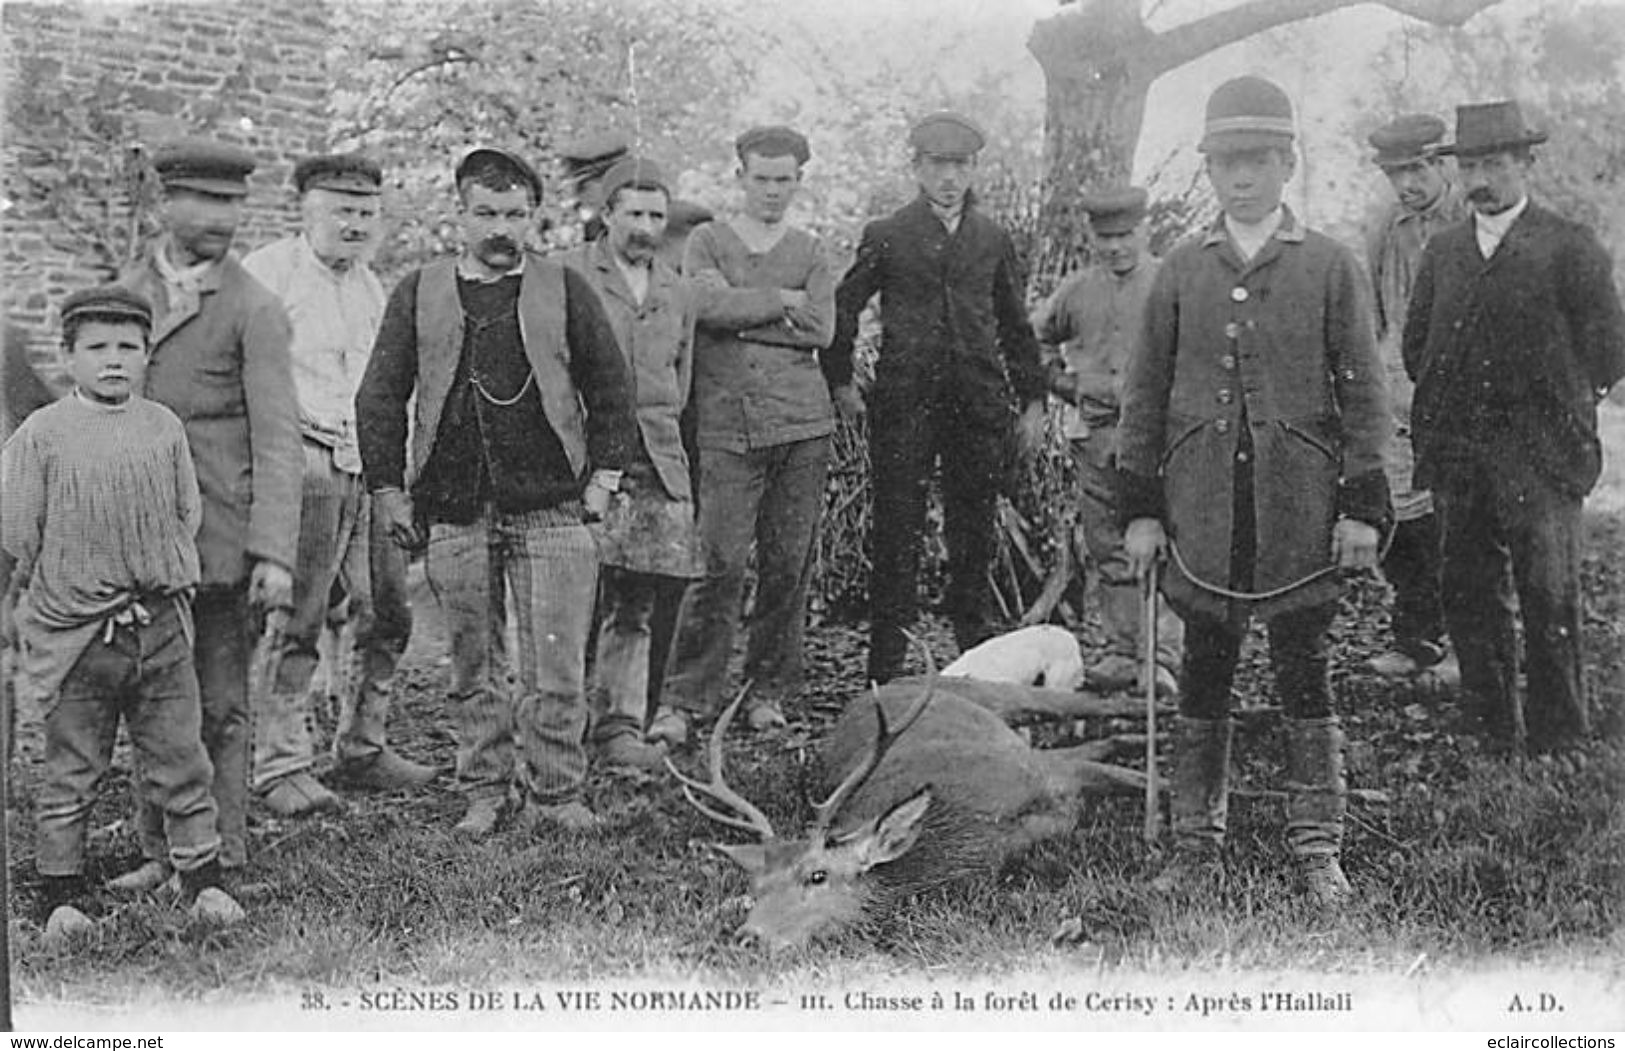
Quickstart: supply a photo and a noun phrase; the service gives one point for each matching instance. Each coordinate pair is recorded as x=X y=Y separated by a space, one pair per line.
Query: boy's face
x=1249 y=182
x=108 y=360
x=769 y=184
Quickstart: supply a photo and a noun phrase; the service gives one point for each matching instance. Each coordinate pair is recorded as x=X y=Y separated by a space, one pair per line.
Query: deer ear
x=894 y=832
x=752 y=857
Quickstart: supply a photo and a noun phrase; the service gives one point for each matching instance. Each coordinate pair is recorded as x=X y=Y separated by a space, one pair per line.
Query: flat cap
x=204 y=165
x=1406 y=140
x=1247 y=113
x=108 y=302
x=946 y=134
x=482 y=160
x=1115 y=211
x=682 y=216
x=341 y=172
x=633 y=171
x=591 y=155
x=773 y=140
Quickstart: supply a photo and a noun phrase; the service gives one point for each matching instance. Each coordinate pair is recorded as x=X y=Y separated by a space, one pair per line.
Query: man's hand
x=394 y=508
x=270 y=586
x=849 y=402
x=1144 y=542
x=595 y=499
x=1354 y=544
x=1030 y=429
x=798 y=309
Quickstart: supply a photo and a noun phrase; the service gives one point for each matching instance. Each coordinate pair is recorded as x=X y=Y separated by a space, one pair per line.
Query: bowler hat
x=633 y=171
x=592 y=155
x=1246 y=113
x=204 y=165
x=773 y=140
x=486 y=158
x=108 y=302
x=1116 y=211
x=351 y=173
x=1489 y=127
x=1406 y=140
x=946 y=134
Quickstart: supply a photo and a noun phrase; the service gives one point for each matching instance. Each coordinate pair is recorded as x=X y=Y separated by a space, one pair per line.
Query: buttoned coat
x=221 y=364
x=1511 y=354
x=951 y=312
x=1283 y=345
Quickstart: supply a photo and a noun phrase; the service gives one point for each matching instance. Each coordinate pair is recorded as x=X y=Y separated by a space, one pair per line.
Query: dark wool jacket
x=1511 y=354
x=951 y=312
x=1285 y=346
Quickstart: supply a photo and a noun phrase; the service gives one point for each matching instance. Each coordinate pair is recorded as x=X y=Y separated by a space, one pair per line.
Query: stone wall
x=91 y=88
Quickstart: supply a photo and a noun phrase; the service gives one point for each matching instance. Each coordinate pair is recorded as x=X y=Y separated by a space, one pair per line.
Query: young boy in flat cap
x=1093 y=323
x=98 y=528
x=1254 y=420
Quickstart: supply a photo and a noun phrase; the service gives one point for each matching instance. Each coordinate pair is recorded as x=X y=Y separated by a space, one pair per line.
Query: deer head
x=822 y=880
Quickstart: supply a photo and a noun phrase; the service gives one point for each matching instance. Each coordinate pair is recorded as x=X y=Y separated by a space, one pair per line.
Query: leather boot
x=1316 y=799
x=1200 y=807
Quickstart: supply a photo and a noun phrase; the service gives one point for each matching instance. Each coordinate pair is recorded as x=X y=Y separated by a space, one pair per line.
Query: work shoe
x=1324 y=882
x=1113 y=672
x=625 y=751
x=671 y=726
x=145 y=878
x=481 y=818
x=1395 y=664
x=299 y=794
x=572 y=816
x=208 y=899
x=383 y=771
x=765 y=716
x=1317 y=799
x=65 y=922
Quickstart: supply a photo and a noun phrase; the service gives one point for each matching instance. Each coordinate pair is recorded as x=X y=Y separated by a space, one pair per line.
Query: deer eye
x=817 y=877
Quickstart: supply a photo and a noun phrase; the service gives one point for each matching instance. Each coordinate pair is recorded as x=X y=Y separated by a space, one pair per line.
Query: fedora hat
x=1490 y=127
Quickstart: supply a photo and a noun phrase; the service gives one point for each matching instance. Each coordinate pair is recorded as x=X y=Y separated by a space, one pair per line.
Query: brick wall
x=88 y=86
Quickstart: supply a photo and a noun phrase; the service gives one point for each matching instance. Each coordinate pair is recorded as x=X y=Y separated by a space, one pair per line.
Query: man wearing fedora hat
x=1427 y=201
x=957 y=354
x=1093 y=319
x=1514 y=333
x=521 y=423
x=1250 y=449
x=334 y=302
x=220 y=362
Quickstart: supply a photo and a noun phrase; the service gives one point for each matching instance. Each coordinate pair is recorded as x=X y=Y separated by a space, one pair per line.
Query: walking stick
x=8 y=727
x=1148 y=639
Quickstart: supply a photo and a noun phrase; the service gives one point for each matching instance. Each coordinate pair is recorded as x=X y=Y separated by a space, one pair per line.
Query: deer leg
x=1079 y=772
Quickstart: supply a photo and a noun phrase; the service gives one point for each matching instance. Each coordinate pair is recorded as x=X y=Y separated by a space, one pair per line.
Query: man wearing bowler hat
x=220 y=362
x=1426 y=202
x=522 y=421
x=1254 y=420
x=1514 y=334
x=1093 y=321
x=335 y=303
x=954 y=327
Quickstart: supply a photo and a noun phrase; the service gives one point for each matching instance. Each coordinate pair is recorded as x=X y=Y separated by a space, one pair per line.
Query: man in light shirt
x=335 y=303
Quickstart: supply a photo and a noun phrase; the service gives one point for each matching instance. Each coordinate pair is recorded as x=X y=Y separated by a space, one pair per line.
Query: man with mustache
x=522 y=423
x=1513 y=335
x=220 y=362
x=766 y=308
x=1093 y=321
x=1427 y=203
x=957 y=350
x=335 y=303
x=648 y=541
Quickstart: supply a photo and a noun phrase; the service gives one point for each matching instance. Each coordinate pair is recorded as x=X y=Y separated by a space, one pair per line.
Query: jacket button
x=1241 y=457
x=1222 y=426
x=1228 y=361
x=1224 y=397
x=1232 y=330
x=1238 y=294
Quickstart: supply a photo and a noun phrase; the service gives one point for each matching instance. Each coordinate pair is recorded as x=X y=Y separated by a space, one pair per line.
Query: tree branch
x=1185 y=43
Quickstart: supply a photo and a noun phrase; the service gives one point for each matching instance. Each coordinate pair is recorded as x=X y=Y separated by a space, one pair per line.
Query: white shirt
x=1491 y=228
x=1250 y=237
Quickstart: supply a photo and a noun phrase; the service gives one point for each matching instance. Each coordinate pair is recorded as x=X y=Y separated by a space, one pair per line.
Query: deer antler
x=748 y=818
x=824 y=813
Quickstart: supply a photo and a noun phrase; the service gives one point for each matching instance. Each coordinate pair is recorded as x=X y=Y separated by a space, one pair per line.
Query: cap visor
x=217 y=187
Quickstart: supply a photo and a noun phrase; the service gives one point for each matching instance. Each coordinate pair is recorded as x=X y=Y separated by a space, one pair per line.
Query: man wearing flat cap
x=1427 y=202
x=1513 y=335
x=335 y=303
x=765 y=304
x=954 y=327
x=521 y=425
x=220 y=362
x=1089 y=327
x=648 y=541
x=584 y=162
x=1250 y=451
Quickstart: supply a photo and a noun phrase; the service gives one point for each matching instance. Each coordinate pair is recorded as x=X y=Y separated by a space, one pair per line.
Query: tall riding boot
x=1316 y=799
x=1200 y=806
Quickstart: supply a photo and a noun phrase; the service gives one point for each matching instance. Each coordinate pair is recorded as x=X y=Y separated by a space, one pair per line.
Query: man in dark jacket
x=1514 y=333
x=1254 y=419
x=956 y=340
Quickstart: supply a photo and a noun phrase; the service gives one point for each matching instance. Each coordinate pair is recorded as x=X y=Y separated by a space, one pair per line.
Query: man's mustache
x=500 y=243
x=643 y=241
x=1480 y=193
